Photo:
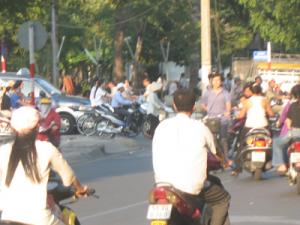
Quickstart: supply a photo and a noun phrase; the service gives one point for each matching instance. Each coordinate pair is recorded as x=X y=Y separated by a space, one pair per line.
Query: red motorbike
x=294 y=164
x=169 y=206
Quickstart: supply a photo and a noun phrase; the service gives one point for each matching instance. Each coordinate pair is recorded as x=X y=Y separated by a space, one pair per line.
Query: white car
x=69 y=107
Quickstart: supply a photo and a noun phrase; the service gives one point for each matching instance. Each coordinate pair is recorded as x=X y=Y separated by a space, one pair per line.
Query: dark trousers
x=124 y=112
x=241 y=141
x=216 y=197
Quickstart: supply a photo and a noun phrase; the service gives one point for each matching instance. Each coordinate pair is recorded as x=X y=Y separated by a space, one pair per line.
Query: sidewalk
x=78 y=148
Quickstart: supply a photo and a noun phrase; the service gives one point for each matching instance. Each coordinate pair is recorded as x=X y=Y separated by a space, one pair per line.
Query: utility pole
x=205 y=43
x=54 y=46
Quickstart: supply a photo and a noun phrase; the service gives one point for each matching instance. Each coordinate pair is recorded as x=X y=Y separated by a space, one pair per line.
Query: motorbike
x=56 y=194
x=294 y=163
x=44 y=132
x=214 y=125
x=107 y=123
x=233 y=135
x=151 y=122
x=168 y=206
x=256 y=155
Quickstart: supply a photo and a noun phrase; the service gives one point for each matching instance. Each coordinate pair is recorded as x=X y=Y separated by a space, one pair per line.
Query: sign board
x=260 y=55
x=40 y=35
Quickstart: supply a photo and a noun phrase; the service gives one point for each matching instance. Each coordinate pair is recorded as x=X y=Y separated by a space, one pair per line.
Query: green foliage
x=276 y=21
x=85 y=22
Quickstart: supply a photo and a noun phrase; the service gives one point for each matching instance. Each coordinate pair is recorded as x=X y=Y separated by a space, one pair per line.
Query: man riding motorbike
x=119 y=101
x=180 y=146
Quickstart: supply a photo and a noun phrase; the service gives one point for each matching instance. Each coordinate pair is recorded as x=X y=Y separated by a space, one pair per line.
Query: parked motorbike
x=151 y=122
x=294 y=163
x=111 y=123
x=256 y=154
x=6 y=132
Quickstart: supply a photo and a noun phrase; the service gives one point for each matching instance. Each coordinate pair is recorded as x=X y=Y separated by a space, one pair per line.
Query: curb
x=78 y=148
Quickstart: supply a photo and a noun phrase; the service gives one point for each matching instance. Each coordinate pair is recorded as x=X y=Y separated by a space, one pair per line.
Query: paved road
x=123 y=180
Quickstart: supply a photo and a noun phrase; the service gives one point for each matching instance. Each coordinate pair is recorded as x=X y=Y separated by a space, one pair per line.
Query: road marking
x=264 y=220
x=233 y=218
x=113 y=210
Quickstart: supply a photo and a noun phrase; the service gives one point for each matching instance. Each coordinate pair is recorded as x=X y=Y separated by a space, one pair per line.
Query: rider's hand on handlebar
x=82 y=191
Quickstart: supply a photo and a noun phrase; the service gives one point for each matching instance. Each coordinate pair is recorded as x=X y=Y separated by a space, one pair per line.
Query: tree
x=276 y=21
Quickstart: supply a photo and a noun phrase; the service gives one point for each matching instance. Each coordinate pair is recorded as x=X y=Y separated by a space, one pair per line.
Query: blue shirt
x=118 y=100
x=14 y=98
x=216 y=102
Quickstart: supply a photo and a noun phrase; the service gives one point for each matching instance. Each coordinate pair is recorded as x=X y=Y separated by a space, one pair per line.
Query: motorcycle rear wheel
x=102 y=128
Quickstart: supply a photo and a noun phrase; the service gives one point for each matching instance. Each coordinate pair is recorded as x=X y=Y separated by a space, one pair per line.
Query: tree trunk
x=135 y=77
x=118 y=61
x=118 y=72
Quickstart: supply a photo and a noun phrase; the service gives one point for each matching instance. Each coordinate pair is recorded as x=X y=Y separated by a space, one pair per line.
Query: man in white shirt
x=180 y=146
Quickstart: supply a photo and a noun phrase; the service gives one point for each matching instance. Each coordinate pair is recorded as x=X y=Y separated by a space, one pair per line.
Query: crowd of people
x=181 y=145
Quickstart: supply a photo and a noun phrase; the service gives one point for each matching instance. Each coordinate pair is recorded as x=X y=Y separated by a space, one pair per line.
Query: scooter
x=110 y=123
x=169 y=206
x=151 y=122
x=294 y=164
x=256 y=155
x=56 y=194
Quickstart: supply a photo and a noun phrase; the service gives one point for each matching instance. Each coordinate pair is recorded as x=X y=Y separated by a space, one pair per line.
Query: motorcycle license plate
x=295 y=157
x=158 y=222
x=159 y=212
x=258 y=156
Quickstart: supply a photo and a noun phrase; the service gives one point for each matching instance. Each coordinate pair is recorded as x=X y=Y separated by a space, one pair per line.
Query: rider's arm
x=268 y=108
x=204 y=101
x=243 y=112
x=227 y=104
x=60 y=165
x=209 y=140
x=288 y=123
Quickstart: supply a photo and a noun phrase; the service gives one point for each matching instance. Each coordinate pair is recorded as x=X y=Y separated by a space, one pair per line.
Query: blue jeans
x=281 y=144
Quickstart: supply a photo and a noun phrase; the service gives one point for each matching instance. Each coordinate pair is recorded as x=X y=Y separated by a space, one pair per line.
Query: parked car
x=69 y=107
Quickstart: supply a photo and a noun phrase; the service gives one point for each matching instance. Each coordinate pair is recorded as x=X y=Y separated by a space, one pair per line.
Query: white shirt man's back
x=180 y=146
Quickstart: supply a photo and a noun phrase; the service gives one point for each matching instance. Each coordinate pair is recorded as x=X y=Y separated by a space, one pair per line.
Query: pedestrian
x=179 y=155
x=68 y=85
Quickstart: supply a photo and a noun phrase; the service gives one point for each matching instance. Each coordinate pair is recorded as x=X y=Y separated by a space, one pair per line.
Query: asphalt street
x=122 y=176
